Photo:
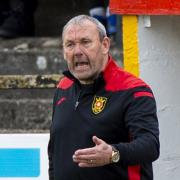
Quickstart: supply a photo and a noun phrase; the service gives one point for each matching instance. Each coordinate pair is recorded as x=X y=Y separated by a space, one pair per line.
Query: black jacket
x=118 y=108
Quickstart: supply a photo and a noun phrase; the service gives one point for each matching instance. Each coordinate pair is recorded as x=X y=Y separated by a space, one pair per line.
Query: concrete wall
x=28 y=109
x=159 y=48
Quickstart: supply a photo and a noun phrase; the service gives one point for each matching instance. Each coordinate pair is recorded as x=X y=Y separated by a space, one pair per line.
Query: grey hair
x=80 y=19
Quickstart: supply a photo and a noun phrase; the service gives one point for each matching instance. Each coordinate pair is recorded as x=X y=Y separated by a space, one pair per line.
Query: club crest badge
x=98 y=104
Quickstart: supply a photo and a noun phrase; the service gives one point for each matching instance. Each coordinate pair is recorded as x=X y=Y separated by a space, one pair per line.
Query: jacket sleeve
x=142 y=125
x=50 y=144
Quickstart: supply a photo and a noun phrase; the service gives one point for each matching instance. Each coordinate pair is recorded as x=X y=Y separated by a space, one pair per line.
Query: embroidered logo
x=98 y=104
x=61 y=100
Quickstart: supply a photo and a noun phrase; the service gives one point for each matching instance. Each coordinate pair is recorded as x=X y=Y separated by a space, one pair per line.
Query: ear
x=105 y=45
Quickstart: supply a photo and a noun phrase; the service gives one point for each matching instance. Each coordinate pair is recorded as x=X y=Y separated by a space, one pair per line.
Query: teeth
x=81 y=63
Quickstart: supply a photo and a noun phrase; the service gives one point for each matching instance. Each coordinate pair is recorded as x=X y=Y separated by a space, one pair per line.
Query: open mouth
x=82 y=66
x=77 y=64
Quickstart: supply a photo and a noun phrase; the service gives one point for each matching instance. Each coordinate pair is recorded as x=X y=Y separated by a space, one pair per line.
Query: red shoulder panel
x=117 y=79
x=65 y=83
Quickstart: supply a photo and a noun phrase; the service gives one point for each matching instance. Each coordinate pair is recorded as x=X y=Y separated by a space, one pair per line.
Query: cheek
x=91 y=54
x=67 y=56
x=91 y=51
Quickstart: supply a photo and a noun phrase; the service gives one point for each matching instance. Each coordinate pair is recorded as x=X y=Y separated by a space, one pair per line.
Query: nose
x=78 y=50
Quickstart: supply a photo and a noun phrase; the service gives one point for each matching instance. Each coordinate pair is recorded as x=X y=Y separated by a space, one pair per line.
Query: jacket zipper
x=77 y=101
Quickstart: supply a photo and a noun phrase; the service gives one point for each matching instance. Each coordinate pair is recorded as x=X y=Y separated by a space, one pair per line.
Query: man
x=104 y=119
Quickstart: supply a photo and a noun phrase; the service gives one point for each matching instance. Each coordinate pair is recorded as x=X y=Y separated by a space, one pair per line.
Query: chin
x=83 y=77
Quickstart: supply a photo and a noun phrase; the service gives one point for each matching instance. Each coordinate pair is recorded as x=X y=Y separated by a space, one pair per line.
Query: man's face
x=85 y=54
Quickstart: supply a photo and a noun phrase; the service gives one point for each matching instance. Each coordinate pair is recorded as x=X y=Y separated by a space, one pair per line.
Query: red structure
x=145 y=7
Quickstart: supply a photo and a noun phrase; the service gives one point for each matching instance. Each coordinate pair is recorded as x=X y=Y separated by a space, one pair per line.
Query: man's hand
x=99 y=155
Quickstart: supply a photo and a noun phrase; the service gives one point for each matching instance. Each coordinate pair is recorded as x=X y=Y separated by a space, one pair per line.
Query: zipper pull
x=77 y=101
x=76 y=105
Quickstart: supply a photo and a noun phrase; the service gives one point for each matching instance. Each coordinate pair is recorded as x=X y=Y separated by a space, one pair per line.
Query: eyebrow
x=81 y=39
x=68 y=41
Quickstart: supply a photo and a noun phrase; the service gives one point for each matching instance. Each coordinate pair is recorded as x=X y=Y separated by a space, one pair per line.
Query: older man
x=104 y=119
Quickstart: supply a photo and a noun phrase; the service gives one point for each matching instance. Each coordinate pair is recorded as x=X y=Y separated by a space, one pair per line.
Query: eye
x=86 y=42
x=69 y=45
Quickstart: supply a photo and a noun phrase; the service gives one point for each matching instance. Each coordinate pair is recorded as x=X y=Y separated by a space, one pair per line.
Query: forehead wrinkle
x=74 y=34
